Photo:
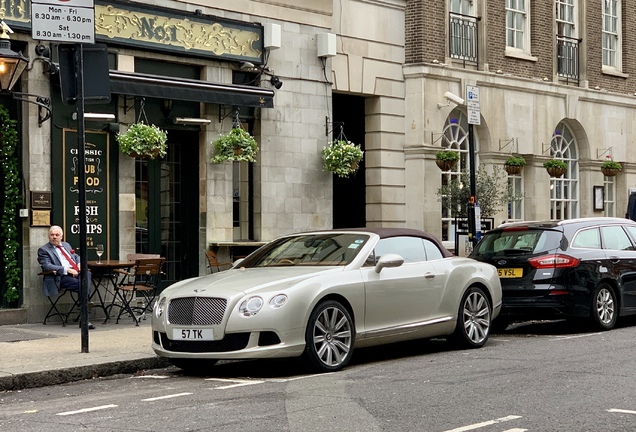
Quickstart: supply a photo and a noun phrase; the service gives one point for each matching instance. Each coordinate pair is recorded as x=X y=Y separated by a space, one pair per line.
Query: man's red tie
x=68 y=258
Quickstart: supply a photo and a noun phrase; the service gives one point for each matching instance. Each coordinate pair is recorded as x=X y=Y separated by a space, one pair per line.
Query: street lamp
x=12 y=64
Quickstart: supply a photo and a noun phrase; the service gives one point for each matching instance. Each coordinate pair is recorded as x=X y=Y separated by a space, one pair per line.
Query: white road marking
x=516 y=430
x=283 y=380
x=560 y=338
x=483 y=424
x=152 y=376
x=616 y=410
x=84 y=410
x=239 y=383
x=165 y=397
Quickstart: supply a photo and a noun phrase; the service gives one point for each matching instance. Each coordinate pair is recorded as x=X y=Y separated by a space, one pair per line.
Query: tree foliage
x=493 y=192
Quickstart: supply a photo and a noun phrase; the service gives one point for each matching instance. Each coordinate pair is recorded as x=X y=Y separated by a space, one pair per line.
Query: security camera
x=454 y=98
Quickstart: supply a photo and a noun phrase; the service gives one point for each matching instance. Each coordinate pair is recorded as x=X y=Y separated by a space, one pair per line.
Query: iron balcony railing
x=464 y=37
x=568 y=58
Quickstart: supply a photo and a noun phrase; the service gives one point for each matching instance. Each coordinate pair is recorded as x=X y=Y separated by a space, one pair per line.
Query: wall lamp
x=191 y=121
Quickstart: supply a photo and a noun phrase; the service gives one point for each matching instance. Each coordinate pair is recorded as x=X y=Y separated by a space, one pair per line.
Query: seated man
x=58 y=256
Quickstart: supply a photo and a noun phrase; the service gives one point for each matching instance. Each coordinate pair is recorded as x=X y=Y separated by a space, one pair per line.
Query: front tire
x=474 y=320
x=604 y=308
x=329 y=337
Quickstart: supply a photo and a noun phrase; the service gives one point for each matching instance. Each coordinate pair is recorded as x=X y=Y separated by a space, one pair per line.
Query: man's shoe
x=90 y=326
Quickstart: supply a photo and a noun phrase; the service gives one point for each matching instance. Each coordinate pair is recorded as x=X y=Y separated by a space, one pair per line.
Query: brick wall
x=425 y=32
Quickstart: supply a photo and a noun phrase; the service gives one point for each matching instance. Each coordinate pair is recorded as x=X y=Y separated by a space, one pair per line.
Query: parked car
x=320 y=294
x=578 y=268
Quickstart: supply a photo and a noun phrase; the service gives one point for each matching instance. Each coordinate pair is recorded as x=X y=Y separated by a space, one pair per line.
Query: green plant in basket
x=143 y=141
x=447 y=156
x=555 y=163
x=342 y=157
x=610 y=164
x=236 y=145
x=515 y=161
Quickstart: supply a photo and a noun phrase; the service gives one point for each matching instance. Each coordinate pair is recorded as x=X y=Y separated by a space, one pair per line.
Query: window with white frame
x=611 y=33
x=515 y=206
x=566 y=18
x=610 y=197
x=455 y=137
x=564 y=191
x=518 y=25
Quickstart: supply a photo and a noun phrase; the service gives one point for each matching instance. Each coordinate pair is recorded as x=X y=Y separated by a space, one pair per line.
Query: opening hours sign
x=63 y=20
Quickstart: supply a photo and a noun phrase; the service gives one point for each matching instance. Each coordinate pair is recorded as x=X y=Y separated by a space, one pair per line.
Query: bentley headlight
x=279 y=300
x=160 y=307
x=250 y=306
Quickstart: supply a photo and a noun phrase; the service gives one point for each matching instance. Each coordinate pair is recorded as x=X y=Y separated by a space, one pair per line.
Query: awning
x=161 y=87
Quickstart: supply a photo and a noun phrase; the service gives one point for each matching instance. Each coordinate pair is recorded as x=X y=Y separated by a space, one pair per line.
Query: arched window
x=564 y=191
x=455 y=137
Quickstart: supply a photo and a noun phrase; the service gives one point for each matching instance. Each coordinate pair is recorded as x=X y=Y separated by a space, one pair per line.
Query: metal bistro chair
x=53 y=310
x=213 y=262
x=143 y=279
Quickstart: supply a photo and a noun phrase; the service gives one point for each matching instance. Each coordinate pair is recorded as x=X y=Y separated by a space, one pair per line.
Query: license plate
x=192 y=334
x=510 y=272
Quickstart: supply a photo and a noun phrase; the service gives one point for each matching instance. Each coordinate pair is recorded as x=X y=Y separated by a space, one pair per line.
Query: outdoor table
x=104 y=276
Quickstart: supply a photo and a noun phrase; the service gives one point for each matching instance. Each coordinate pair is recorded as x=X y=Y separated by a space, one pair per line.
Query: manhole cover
x=18 y=335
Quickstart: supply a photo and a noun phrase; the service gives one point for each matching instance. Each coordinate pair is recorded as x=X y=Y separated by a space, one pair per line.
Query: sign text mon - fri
x=63 y=20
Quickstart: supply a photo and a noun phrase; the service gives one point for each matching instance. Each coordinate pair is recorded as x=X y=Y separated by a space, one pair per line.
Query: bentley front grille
x=196 y=311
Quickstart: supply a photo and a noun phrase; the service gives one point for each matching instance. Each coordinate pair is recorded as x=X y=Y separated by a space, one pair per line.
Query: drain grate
x=18 y=335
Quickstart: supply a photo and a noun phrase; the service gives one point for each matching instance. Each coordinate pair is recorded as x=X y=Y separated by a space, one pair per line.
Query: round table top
x=113 y=264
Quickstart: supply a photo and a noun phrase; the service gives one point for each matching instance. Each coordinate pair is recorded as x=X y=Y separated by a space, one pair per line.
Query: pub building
x=195 y=72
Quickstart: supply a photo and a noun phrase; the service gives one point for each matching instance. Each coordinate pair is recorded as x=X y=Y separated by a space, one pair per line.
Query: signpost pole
x=474 y=118
x=81 y=163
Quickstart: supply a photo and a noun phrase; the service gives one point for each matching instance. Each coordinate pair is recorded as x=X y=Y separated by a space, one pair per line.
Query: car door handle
x=614 y=259
x=429 y=275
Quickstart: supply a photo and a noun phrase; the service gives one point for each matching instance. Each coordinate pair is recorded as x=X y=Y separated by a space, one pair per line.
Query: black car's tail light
x=554 y=261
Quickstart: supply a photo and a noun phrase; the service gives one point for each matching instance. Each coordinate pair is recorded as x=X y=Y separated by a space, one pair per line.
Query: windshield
x=517 y=242
x=333 y=249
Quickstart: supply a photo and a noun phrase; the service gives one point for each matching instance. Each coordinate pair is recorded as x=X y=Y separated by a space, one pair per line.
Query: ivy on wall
x=12 y=200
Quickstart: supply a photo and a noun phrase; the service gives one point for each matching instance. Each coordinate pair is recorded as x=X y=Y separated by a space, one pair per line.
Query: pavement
x=36 y=355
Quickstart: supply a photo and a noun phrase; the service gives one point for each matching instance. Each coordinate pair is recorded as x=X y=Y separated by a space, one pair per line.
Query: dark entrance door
x=167 y=216
x=349 y=196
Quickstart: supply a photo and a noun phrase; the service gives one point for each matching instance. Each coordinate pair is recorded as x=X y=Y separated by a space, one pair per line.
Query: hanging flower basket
x=342 y=157
x=236 y=145
x=514 y=165
x=446 y=159
x=555 y=167
x=143 y=141
x=610 y=168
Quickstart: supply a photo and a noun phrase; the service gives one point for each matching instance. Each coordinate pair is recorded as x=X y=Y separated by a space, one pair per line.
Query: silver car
x=321 y=294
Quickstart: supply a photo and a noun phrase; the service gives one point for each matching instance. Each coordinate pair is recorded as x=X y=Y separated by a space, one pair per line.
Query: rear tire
x=329 y=337
x=193 y=366
x=604 y=309
x=474 y=320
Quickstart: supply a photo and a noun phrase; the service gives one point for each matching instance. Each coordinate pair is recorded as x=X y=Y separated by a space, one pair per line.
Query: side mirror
x=387 y=261
x=237 y=262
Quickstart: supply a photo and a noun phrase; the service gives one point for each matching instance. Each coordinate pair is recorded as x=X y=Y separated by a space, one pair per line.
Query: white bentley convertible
x=321 y=294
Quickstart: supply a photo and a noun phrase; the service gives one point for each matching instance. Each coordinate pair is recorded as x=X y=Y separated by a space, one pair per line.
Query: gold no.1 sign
x=63 y=20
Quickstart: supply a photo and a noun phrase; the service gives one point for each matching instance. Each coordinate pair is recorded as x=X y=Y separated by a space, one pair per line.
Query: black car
x=577 y=268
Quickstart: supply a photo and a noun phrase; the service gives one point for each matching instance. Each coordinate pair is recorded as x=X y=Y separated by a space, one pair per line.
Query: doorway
x=349 y=194
x=167 y=212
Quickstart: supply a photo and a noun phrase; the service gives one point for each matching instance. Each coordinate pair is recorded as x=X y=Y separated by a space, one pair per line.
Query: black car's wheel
x=473 y=320
x=193 y=366
x=329 y=337
x=604 y=312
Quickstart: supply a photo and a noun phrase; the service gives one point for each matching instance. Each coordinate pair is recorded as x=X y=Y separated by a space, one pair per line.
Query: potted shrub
x=236 y=145
x=446 y=159
x=555 y=167
x=514 y=164
x=342 y=157
x=143 y=141
x=610 y=168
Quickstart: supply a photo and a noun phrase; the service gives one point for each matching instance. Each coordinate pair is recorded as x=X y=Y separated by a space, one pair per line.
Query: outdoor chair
x=138 y=285
x=54 y=310
x=213 y=262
